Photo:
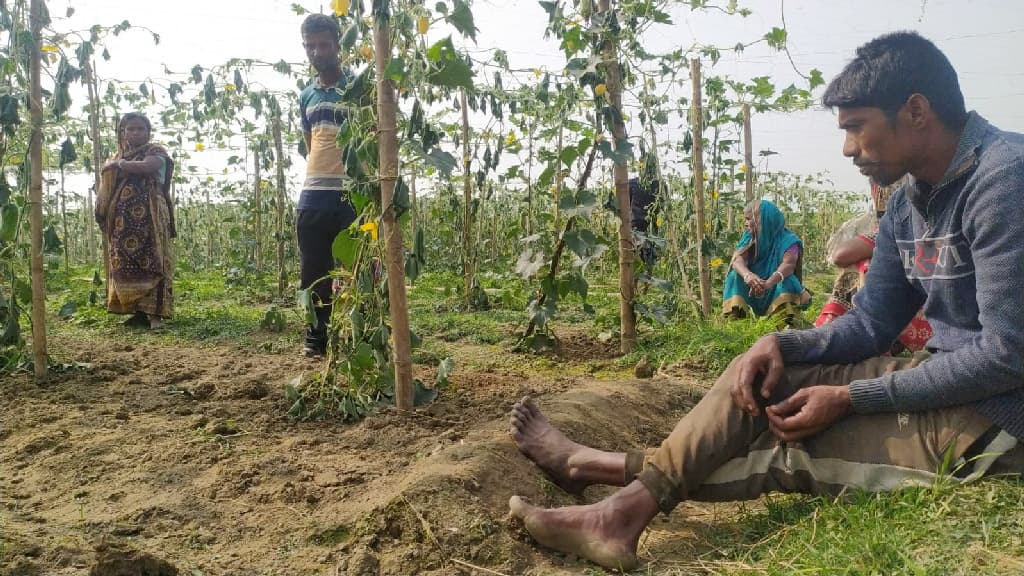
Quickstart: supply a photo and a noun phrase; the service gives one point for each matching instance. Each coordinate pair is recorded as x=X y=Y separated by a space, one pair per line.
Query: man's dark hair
x=891 y=68
x=315 y=23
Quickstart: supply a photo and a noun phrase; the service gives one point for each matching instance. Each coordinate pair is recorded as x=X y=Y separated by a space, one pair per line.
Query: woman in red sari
x=853 y=257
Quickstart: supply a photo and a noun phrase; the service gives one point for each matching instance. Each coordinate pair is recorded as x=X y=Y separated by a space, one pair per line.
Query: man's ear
x=917 y=110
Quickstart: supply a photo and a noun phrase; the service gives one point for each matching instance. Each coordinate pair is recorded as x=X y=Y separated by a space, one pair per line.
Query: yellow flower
x=367 y=52
x=659 y=221
x=511 y=138
x=714 y=194
x=716 y=262
x=229 y=87
x=340 y=7
x=536 y=72
x=200 y=146
x=600 y=90
x=48 y=48
x=371 y=228
x=422 y=25
x=705 y=176
x=743 y=167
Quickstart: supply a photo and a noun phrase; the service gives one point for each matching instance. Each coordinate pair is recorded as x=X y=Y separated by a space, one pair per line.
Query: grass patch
x=942 y=530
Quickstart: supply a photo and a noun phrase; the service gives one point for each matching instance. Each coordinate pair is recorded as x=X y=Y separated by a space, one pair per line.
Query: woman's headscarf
x=772 y=239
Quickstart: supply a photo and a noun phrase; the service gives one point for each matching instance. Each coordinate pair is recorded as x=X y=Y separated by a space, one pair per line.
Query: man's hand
x=808 y=411
x=764 y=359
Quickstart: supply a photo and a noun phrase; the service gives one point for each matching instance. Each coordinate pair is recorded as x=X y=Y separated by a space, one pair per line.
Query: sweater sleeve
x=991 y=364
x=882 y=309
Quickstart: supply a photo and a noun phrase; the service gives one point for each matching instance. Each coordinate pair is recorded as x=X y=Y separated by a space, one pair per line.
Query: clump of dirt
x=121 y=560
x=581 y=347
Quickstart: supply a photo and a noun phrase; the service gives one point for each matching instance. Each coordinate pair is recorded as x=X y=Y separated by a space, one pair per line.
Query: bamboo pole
x=467 y=199
x=97 y=154
x=748 y=155
x=387 y=114
x=613 y=76
x=258 y=201
x=39 y=355
x=696 y=119
x=282 y=272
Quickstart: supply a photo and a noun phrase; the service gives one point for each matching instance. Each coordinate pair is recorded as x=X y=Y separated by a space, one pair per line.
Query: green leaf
x=444 y=372
x=448 y=69
x=659 y=283
x=529 y=263
x=582 y=242
x=776 y=38
x=816 y=79
x=462 y=19
x=443 y=161
x=345 y=248
x=348 y=39
x=422 y=395
x=568 y=156
x=304 y=300
x=67 y=310
x=396 y=70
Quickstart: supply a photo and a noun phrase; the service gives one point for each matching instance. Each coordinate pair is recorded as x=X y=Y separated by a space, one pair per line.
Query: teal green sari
x=764 y=256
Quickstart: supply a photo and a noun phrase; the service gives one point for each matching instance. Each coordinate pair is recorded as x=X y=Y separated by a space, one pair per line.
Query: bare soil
x=159 y=460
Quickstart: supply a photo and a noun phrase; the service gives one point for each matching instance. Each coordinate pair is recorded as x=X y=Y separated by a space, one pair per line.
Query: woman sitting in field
x=135 y=213
x=765 y=268
x=850 y=249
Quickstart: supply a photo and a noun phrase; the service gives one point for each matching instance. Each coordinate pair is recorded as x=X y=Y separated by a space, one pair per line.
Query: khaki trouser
x=718 y=452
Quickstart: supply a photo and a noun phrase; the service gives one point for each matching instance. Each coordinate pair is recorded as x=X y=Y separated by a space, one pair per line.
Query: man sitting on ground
x=819 y=411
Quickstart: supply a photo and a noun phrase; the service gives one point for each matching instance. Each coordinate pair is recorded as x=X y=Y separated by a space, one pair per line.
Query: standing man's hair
x=891 y=68
x=315 y=23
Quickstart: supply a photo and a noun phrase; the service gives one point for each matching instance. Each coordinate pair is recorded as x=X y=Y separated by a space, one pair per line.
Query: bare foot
x=560 y=458
x=595 y=532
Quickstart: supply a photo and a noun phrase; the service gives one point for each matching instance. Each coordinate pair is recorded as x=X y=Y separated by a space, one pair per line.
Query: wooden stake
x=697 y=127
x=467 y=199
x=258 y=201
x=39 y=355
x=613 y=76
x=748 y=155
x=387 y=113
x=282 y=198
x=97 y=155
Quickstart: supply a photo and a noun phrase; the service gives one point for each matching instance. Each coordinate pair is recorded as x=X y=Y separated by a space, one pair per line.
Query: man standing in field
x=324 y=209
x=818 y=411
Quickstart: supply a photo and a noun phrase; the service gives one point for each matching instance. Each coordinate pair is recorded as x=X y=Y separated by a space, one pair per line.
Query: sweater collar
x=964 y=160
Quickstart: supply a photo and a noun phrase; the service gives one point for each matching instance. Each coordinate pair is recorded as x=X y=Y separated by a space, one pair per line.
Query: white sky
x=983 y=39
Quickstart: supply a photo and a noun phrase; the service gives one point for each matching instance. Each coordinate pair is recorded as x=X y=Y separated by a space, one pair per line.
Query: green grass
x=938 y=531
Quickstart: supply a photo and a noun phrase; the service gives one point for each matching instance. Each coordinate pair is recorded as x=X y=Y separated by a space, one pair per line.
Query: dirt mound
x=121 y=560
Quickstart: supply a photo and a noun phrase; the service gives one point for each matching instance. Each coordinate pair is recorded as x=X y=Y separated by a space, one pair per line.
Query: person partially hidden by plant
x=850 y=250
x=136 y=215
x=819 y=411
x=766 y=266
x=324 y=208
x=645 y=211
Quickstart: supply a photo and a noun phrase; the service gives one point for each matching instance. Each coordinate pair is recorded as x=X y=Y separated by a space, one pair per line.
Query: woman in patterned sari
x=765 y=274
x=852 y=255
x=135 y=213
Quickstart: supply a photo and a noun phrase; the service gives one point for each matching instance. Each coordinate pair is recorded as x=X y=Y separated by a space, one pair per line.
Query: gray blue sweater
x=957 y=249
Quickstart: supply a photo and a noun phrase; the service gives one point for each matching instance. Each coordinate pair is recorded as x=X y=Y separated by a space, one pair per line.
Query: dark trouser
x=316 y=230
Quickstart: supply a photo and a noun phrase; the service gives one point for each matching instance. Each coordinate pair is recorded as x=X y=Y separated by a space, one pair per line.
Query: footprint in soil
x=120 y=560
